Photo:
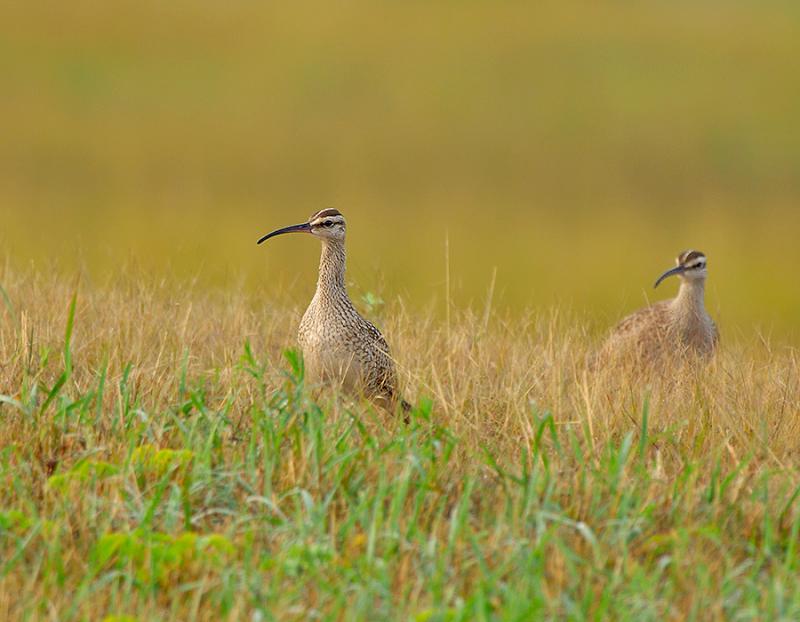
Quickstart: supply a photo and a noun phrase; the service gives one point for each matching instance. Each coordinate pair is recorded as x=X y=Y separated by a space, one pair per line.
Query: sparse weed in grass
x=158 y=558
x=81 y=473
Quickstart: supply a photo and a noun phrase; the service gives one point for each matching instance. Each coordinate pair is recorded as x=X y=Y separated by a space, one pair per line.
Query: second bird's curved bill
x=301 y=228
x=668 y=273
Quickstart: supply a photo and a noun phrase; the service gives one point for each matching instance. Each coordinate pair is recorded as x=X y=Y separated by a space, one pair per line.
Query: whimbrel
x=669 y=327
x=338 y=344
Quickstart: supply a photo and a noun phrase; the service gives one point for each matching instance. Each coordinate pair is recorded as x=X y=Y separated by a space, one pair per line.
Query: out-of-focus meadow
x=573 y=147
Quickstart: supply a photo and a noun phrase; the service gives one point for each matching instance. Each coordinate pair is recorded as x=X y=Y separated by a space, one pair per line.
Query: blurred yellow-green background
x=573 y=147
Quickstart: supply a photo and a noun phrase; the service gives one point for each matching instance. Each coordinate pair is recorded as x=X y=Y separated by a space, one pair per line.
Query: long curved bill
x=678 y=270
x=302 y=228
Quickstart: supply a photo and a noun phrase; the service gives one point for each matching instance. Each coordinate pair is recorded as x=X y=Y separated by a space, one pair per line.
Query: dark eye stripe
x=325 y=223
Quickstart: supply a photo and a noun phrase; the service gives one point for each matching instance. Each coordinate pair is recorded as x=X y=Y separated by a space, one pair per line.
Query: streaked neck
x=691 y=296
x=331 y=269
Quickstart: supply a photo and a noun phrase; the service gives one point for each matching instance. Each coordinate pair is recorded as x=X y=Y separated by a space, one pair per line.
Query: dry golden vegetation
x=161 y=459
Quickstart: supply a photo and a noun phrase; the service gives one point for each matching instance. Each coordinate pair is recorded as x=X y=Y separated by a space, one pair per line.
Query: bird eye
x=327 y=223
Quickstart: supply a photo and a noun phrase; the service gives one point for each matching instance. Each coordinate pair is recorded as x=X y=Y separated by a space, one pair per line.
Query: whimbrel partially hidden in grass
x=670 y=327
x=338 y=344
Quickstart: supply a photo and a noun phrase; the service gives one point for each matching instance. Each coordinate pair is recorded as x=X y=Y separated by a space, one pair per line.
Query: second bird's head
x=690 y=267
x=327 y=224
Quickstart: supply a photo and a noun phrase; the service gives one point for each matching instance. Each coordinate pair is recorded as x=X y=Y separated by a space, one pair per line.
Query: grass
x=162 y=459
x=160 y=455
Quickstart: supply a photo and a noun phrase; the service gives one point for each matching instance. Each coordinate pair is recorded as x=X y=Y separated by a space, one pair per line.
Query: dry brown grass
x=709 y=476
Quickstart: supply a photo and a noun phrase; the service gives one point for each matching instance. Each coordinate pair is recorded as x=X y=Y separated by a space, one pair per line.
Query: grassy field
x=161 y=459
x=515 y=176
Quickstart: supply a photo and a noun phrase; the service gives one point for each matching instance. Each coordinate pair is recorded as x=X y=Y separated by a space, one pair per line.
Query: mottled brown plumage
x=668 y=328
x=339 y=346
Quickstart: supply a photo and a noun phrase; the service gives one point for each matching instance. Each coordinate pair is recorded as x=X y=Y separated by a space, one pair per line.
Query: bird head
x=690 y=267
x=327 y=224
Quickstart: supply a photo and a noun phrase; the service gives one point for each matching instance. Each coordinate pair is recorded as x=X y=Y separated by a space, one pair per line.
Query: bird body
x=339 y=346
x=670 y=327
